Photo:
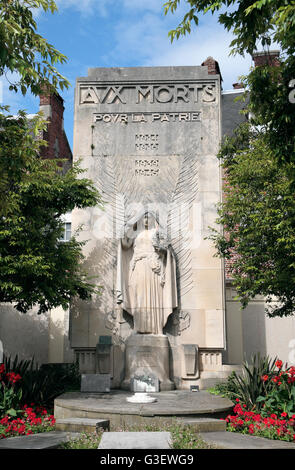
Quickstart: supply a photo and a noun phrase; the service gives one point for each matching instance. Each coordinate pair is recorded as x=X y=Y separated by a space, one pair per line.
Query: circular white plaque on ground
x=141 y=397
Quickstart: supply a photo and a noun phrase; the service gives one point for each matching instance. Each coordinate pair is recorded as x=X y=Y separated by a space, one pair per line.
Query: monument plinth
x=147 y=355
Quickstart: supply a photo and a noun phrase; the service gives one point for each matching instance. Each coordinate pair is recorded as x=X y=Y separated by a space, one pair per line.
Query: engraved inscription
x=146 y=141
x=152 y=94
x=143 y=358
x=146 y=167
x=125 y=118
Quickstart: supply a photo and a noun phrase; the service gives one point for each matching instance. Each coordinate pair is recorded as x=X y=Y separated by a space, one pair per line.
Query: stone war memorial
x=148 y=137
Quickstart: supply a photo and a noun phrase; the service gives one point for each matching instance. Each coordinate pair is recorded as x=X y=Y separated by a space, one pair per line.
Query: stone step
x=204 y=424
x=235 y=440
x=82 y=424
x=135 y=440
x=44 y=440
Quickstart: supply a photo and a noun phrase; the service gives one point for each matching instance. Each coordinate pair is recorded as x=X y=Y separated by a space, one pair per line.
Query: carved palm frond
x=179 y=221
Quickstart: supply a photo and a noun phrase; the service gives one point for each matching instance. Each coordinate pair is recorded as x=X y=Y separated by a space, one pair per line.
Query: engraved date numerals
x=146 y=141
x=146 y=167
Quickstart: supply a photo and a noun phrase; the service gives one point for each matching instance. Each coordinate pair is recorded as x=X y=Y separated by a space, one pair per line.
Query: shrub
x=42 y=384
x=10 y=398
x=265 y=396
x=248 y=386
x=279 y=393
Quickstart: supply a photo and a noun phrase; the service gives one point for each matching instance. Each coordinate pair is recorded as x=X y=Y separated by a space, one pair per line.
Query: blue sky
x=124 y=33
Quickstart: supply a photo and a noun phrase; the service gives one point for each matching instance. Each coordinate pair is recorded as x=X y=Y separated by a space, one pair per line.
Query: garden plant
x=264 y=396
x=27 y=392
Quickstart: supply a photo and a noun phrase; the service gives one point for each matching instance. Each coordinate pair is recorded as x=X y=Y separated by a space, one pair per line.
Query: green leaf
x=12 y=412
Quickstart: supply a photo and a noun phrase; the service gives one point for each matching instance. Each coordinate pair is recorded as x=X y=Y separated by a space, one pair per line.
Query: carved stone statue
x=146 y=274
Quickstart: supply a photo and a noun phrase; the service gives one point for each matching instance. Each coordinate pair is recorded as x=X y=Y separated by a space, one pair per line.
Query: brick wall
x=52 y=106
x=266 y=58
x=213 y=66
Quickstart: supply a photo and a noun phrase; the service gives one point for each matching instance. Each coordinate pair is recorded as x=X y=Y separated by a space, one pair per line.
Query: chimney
x=52 y=106
x=266 y=58
x=213 y=66
x=238 y=85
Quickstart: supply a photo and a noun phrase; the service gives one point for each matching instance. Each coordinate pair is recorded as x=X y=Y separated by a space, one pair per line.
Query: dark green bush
x=248 y=385
x=42 y=384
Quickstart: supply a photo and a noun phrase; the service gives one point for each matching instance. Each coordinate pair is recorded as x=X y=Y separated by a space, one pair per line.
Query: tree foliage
x=258 y=24
x=258 y=216
x=36 y=268
x=26 y=52
x=250 y=21
x=258 y=213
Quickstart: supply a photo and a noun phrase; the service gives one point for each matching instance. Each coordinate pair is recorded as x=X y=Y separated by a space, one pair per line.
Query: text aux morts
x=152 y=94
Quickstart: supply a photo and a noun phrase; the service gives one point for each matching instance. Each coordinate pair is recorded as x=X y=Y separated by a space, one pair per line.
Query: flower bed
x=273 y=426
x=33 y=420
x=15 y=419
x=272 y=415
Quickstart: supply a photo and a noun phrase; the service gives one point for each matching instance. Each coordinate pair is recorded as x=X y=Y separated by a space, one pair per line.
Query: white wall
x=44 y=337
x=25 y=335
x=251 y=331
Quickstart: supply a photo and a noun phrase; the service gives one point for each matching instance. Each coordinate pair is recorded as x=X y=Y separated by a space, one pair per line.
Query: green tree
x=255 y=24
x=258 y=216
x=258 y=211
x=250 y=21
x=26 y=52
x=36 y=268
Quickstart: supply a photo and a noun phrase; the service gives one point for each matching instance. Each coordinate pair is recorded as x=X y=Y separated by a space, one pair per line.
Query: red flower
x=284 y=414
x=279 y=364
x=12 y=377
x=251 y=429
x=264 y=378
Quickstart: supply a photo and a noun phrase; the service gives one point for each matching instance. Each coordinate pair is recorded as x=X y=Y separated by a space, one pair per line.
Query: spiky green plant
x=247 y=386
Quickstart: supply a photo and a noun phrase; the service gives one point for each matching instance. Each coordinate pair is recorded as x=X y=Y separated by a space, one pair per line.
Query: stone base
x=209 y=378
x=180 y=404
x=147 y=356
x=95 y=383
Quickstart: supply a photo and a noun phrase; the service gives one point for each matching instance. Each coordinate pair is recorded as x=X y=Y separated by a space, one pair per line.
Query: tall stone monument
x=148 y=138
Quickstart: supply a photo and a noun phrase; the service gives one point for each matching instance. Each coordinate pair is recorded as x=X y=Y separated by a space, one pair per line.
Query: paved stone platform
x=234 y=440
x=114 y=406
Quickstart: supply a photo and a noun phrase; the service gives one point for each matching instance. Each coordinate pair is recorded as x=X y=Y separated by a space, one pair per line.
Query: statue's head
x=143 y=219
x=150 y=219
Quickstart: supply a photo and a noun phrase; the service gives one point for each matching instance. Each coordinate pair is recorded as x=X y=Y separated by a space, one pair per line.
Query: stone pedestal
x=146 y=356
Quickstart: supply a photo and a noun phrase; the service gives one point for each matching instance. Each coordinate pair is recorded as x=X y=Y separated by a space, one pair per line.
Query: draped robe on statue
x=146 y=280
